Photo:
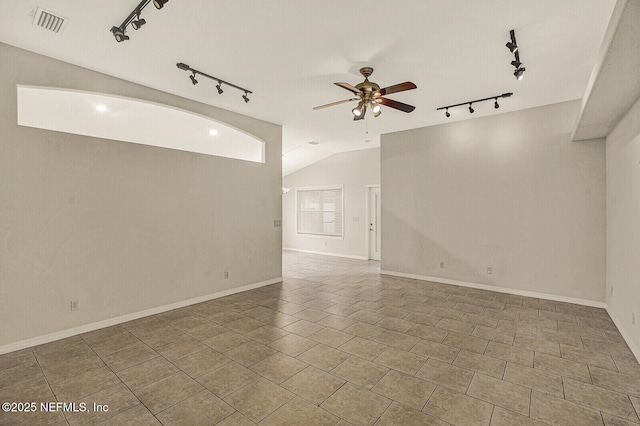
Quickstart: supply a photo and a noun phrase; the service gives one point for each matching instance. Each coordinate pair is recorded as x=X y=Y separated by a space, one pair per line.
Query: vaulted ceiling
x=289 y=53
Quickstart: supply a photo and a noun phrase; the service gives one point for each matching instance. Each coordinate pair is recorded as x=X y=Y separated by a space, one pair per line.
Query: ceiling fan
x=369 y=94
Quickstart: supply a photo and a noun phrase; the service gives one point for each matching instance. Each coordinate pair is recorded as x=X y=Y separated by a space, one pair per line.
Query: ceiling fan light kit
x=134 y=19
x=369 y=94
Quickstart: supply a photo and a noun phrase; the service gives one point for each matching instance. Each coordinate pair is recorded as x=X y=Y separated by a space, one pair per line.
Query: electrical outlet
x=489 y=270
x=277 y=223
x=226 y=275
x=442 y=265
x=74 y=305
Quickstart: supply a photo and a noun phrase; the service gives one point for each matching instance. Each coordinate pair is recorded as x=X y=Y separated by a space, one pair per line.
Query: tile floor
x=335 y=344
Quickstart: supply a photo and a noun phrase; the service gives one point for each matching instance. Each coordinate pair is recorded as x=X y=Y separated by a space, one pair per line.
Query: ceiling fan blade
x=336 y=103
x=407 y=85
x=349 y=88
x=395 y=104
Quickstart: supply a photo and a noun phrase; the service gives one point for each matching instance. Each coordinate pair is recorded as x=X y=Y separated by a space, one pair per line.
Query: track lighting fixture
x=187 y=68
x=134 y=20
x=513 y=47
x=159 y=4
x=470 y=103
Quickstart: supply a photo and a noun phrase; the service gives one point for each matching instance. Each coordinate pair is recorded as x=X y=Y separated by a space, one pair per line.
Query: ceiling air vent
x=49 y=21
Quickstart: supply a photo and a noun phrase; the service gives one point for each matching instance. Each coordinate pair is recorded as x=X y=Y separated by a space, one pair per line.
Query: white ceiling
x=289 y=53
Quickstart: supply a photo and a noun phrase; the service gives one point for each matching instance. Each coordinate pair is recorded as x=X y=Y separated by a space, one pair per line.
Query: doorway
x=373 y=230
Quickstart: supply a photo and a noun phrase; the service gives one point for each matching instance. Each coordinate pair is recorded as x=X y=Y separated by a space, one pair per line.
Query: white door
x=374 y=223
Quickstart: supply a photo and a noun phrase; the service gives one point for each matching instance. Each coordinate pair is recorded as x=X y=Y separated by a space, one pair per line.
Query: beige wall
x=510 y=192
x=355 y=170
x=121 y=227
x=623 y=225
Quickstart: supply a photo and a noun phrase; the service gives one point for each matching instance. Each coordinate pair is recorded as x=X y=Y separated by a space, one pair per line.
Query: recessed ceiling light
x=101 y=108
x=213 y=132
x=313 y=143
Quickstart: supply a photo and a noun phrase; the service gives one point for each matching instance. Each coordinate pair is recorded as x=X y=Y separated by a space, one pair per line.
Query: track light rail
x=220 y=81
x=504 y=95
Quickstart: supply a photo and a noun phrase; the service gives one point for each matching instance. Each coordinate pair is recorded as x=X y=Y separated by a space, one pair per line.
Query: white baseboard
x=129 y=317
x=625 y=335
x=348 y=256
x=537 y=295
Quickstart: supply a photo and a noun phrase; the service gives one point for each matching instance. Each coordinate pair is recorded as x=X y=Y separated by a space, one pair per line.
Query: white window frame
x=321 y=188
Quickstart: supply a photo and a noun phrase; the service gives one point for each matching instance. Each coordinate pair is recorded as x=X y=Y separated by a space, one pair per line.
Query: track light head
x=496 y=105
x=471 y=110
x=246 y=97
x=516 y=63
x=136 y=24
x=219 y=87
x=119 y=34
x=519 y=73
x=447 y=113
x=193 y=78
x=512 y=47
x=159 y=4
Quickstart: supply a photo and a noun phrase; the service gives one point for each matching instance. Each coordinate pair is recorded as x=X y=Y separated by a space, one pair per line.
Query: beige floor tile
x=365 y=330
x=447 y=313
x=244 y=325
x=456 y=325
x=537 y=345
x=181 y=348
x=114 y=344
x=33 y=418
x=162 y=338
x=129 y=357
x=616 y=381
x=479 y=319
x=510 y=353
x=278 y=367
x=250 y=353
x=636 y=404
x=428 y=332
x=303 y=328
x=458 y=409
x=188 y=322
x=138 y=416
x=34 y=388
x=360 y=372
x=356 y=405
x=559 y=337
x=226 y=341
x=559 y=412
x=363 y=348
x=422 y=318
x=464 y=341
x=501 y=314
x=396 y=324
x=293 y=345
x=104 y=405
x=502 y=417
x=313 y=385
x=314 y=315
x=205 y=331
x=435 y=350
x=160 y=395
x=403 y=361
x=259 y=399
x=611 y=420
x=203 y=408
x=337 y=322
x=331 y=337
x=72 y=367
x=266 y=334
x=397 y=340
x=502 y=393
x=447 y=375
x=323 y=357
x=84 y=384
x=199 y=363
x=400 y=415
x=562 y=367
x=584 y=356
x=600 y=399
x=97 y=336
x=408 y=390
x=493 y=334
x=481 y=363
x=228 y=378
x=535 y=379
x=300 y=412
x=147 y=372
x=236 y=419
x=21 y=358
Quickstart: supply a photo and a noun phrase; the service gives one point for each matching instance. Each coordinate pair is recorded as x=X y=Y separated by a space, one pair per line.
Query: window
x=319 y=211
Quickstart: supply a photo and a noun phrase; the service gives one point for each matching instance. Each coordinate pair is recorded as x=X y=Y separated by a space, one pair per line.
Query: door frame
x=368 y=207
